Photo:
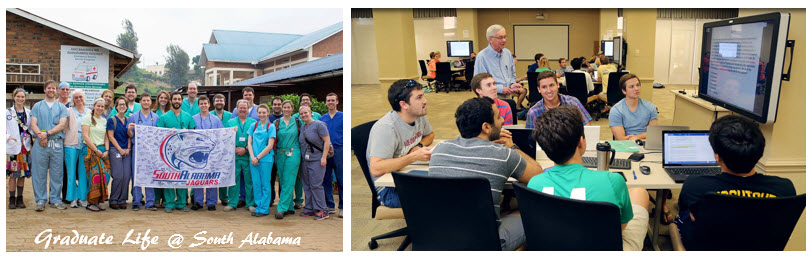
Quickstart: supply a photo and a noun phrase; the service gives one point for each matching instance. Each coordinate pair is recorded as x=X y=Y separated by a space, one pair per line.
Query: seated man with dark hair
x=400 y=137
x=485 y=150
x=484 y=86
x=737 y=145
x=560 y=134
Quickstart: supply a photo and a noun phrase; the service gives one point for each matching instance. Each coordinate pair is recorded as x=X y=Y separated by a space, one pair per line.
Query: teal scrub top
x=260 y=134
x=288 y=135
x=224 y=119
x=242 y=134
x=182 y=121
x=316 y=116
x=190 y=108
x=135 y=109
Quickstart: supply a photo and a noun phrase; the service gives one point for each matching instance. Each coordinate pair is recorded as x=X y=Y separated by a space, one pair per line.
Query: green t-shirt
x=182 y=121
x=226 y=116
x=538 y=70
x=577 y=182
x=242 y=134
x=190 y=108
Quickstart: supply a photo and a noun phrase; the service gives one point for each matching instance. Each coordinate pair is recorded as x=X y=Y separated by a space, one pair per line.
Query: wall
x=430 y=35
x=678 y=49
x=332 y=45
x=364 y=52
x=608 y=23
x=28 y=42
x=785 y=154
x=639 y=27
x=584 y=26
x=395 y=41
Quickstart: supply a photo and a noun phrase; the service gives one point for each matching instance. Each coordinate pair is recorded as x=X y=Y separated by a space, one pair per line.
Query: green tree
x=177 y=65
x=198 y=70
x=129 y=40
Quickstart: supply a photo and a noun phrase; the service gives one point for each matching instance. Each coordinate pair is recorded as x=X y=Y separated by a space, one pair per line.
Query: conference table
x=658 y=180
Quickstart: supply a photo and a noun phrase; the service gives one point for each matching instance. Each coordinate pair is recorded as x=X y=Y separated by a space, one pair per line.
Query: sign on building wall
x=86 y=68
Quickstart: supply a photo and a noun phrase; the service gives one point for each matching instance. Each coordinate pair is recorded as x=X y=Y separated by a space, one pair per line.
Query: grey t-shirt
x=391 y=137
x=476 y=157
x=313 y=131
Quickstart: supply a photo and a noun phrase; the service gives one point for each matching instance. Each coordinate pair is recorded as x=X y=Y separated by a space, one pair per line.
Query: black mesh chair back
x=733 y=223
x=360 y=137
x=613 y=92
x=554 y=223
x=467 y=222
x=443 y=72
x=576 y=86
x=423 y=70
x=469 y=71
x=533 y=94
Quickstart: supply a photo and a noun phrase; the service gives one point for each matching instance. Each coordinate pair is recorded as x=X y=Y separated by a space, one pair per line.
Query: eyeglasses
x=500 y=38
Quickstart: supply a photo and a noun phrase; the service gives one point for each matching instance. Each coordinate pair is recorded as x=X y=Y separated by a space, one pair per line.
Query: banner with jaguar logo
x=179 y=158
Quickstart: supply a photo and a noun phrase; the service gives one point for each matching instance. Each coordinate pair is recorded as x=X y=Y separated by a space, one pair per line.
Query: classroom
x=671 y=116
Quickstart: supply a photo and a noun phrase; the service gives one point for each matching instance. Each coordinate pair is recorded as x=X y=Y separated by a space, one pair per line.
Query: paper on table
x=593 y=136
x=624 y=146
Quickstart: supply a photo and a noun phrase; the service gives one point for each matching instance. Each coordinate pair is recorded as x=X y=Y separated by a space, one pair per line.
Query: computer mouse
x=645 y=170
x=640 y=142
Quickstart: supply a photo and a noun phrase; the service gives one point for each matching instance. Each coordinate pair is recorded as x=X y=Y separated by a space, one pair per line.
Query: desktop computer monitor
x=608 y=48
x=460 y=48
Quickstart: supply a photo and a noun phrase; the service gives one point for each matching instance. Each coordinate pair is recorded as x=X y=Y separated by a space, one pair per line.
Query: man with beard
x=224 y=116
x=47 y=120
x=276 y=106
x=400 y=137
x=176 y=119
x=132 y=106
x=334 y=120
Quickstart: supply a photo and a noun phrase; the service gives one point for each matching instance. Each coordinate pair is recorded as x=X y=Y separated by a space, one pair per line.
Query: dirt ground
x=23 y=226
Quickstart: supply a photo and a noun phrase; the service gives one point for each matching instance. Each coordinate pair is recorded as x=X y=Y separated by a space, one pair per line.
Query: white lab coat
x=13 y=147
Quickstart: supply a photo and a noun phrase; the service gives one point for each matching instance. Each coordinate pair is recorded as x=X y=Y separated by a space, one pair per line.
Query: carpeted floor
x=369 y=103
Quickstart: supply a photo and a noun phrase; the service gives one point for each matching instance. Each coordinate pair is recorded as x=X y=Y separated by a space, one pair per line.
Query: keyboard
x=592 y=162
x=680 y=174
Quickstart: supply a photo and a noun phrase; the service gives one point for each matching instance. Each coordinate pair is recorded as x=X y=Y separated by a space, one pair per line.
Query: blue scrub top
x=210 y=122
x=119 y=130
x=140 y=119
x=47 y=117
x=252 y=113
x=335 y=126
x=260 y=134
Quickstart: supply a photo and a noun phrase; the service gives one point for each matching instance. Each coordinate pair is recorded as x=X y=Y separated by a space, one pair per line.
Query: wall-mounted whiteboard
x=551 y=40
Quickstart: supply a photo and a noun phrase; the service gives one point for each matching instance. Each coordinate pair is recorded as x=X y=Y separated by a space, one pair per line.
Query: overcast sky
x=188 y=28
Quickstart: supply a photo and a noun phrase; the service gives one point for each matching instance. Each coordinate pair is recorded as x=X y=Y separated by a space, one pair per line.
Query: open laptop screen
x=687 y=148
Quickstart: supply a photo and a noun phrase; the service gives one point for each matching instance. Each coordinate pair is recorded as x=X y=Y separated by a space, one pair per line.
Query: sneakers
x=196 y=207
x=224 y=202
x=341 y=213
x=307 y=214
x=74 y=203
x=59 y=205
x=279 y=215
x=241 y=204
x=290 y=212
x=168 y=209
x=185 y=209
x=40 y=207
x=251 y=209
x=228 y=209
x=322 y=215
x=298 y=206
x=83 y=203
x=331 y=210
x=152 y=208
x=136 y=207
x=212 y=208
x=260 y=214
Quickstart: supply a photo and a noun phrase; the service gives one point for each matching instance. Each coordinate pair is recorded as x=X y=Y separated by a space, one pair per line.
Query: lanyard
x=241 y=127
x=179 y=119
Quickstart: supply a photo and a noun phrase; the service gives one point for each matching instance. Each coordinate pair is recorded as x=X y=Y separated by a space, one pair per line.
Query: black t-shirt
x=758 y=185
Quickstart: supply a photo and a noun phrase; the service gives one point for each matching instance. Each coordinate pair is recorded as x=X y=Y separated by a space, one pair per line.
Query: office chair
x=613 y=91
x=576 y=86
x=733 y=223
x=469 y=74
x=533 y=94
x=425 y=73
x=465 y=223
x=554 y=223
x=443 y=78
x=512 y=104
x=360 y=138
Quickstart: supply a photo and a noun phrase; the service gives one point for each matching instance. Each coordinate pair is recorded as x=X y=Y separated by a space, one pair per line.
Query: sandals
x=667 y=217
x=93 y=208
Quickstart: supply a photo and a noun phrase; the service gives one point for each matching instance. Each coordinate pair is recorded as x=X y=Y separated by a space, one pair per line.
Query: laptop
x=654 y=135
x=688 y=153
x=523 y=138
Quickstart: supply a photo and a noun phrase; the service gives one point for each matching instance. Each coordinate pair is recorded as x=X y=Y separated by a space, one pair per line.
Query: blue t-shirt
x=633 y=122
x=119 y=128
x=335 y=126
x=260 y=134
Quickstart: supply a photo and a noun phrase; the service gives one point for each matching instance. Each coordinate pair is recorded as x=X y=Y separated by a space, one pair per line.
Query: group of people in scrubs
x=86 y=152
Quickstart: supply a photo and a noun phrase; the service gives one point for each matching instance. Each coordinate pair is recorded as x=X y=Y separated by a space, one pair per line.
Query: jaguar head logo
x=186 y=148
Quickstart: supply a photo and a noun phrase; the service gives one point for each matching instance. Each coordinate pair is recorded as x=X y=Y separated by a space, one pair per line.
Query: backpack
x=276 y=123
